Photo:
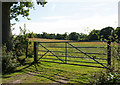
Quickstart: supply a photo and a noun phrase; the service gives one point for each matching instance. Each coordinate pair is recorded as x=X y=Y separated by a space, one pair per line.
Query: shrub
x=103 y=77
x=9 y=63
x=21 y=43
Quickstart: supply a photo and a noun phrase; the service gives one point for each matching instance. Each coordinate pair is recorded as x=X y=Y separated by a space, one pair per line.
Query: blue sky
x=60 y=16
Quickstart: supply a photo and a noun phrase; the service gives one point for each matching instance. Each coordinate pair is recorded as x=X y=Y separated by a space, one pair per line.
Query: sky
x=60 y=16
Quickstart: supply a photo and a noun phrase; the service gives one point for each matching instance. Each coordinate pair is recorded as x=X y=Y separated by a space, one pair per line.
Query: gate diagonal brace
x=87 y=55
x=52 y=53
x=43 y=55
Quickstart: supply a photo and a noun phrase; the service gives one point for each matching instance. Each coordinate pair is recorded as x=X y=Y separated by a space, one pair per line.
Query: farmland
x=45 y=72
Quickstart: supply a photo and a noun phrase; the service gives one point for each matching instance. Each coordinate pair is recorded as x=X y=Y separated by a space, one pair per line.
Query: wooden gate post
x=65 y=52
x=109 y=53
x=35 y=51
x=26 y=49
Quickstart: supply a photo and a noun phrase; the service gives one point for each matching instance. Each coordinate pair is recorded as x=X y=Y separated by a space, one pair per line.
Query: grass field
x=45 y=72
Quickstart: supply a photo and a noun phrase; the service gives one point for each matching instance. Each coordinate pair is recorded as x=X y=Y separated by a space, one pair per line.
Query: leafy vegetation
x=103 y=77
x=9 y=63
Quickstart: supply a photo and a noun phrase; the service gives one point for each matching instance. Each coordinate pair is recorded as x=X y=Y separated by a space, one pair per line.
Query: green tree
x=107 y=33
x=62 y=36
x=59 y=37
x=65 y=36
x=74 y=36
x=51 y=36
x=82 y=36
x=39 y=35
x=94 y=35
x=11 y=10
x=45 y=35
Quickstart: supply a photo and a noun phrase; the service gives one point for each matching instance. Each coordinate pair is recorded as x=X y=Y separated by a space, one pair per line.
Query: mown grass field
x=45 y=72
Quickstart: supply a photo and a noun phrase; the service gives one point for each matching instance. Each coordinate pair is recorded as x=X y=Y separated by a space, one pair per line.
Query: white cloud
x=71 y=25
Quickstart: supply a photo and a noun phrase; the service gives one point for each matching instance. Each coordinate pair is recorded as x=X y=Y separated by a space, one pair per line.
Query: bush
x=9 y=63
x=103 y=77
x=21 y=43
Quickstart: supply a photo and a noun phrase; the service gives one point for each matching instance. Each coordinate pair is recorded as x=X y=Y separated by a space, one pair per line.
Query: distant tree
x=59 y=37
x=74 y=36
x=107 y=33
x=65 y=36
x=94 y=35
x=52 y=36
x=39 y=35
x=82 y=36
x=45 y=35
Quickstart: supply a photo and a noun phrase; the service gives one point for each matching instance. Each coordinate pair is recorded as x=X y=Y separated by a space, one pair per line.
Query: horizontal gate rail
x=71 y=47
x=74 y=57
x=75 y=52
x=73 y=61
x=73 y=64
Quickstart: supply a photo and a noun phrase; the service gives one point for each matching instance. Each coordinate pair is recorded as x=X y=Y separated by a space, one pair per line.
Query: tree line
x=105 y=33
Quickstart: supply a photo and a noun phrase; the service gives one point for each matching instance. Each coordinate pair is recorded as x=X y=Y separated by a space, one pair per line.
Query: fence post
x=109 y=53
x=26 y=49
x=118 y=55
x=65 y=52
x=35 y=51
